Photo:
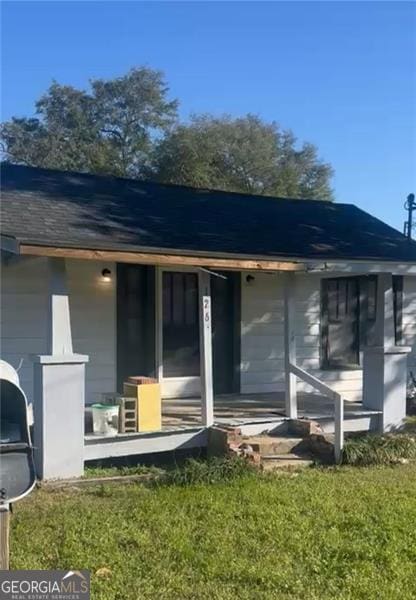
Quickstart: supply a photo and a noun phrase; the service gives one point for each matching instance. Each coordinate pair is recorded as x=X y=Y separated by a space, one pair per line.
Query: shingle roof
x=47 y=207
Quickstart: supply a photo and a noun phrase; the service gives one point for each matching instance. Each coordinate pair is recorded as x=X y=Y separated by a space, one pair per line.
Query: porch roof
x=43 y=207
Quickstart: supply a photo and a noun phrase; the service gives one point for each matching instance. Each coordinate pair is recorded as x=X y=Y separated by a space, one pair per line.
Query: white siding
x=93 y=321
x=24 y=288
x=262 y=350
x=409 y=319
x=93 y=318
x=23 y=315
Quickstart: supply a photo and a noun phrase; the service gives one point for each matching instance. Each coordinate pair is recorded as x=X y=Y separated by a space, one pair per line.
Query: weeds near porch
x=214 y=470
x=410 y=425
x=379 y=449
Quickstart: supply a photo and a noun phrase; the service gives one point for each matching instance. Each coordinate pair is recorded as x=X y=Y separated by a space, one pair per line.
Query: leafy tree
x=241 y=155
x=127 y=126
x=108 y=130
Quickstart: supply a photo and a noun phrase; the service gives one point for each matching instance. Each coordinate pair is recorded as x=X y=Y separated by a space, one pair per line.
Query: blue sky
x=339 y=74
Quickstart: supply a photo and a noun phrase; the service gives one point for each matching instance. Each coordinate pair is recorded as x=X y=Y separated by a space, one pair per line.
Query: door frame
x=171 y=386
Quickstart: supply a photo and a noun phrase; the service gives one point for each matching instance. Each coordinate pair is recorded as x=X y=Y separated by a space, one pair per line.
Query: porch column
x=205 y=332
x=385 y=364
x=291 y=408
x=59 y=388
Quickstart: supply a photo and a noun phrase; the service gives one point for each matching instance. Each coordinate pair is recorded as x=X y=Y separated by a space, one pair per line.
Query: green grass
x=93 y=472
x=337 y=533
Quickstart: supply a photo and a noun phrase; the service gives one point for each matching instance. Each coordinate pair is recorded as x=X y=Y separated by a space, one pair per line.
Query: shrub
x=379 y=449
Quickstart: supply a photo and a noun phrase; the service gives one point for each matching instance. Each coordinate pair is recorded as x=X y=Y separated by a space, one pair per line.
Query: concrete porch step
x=274 y=445
x=290 y=461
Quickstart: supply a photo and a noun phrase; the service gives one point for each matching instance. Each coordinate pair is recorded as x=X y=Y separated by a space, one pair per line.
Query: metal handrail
x=338 y=406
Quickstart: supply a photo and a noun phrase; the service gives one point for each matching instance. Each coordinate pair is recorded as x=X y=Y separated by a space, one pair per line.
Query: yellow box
x=149 y=405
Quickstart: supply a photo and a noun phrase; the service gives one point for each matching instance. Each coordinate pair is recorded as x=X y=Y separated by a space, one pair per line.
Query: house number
x=207 y=310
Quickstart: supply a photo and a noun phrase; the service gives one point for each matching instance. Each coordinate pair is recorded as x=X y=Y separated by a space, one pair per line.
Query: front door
x=180 y=358
x=178 y=338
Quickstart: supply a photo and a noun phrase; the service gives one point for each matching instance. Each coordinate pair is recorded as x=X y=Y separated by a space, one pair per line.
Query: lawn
x=323 y=533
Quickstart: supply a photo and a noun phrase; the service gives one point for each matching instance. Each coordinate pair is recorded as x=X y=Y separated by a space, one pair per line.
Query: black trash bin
x=17 y=470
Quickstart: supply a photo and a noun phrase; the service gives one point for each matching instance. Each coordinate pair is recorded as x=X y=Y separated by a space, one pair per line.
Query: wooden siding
x=262 y=350
x=93 y=317
x=23 y=313
x=93 y=321
x=409 y=319
x=24 y=287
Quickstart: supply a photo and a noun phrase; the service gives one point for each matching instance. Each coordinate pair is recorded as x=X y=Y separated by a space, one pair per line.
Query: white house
x=248 y=310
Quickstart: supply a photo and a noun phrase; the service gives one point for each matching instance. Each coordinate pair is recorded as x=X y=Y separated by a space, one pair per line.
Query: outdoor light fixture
x=250 y=279
x=106 y=275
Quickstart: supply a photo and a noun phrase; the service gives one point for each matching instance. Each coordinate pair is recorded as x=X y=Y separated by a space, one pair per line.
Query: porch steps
x=290 y=462
x=279 y=452
x=274 y=445
x=269 y=452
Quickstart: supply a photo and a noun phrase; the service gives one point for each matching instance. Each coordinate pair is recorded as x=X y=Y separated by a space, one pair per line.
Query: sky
x=341 y=75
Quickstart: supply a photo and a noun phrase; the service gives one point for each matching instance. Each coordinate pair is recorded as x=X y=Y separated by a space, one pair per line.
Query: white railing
x=338 y=405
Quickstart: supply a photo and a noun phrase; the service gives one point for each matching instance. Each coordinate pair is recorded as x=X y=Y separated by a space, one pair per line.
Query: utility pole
x=410 y=206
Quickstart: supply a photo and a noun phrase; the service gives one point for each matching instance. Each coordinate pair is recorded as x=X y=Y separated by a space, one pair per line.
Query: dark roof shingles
x=53 y=207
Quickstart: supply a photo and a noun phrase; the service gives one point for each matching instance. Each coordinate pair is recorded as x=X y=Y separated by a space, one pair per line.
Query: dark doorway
x=136 y=325
x=180 y=324
x=135 y=321
x=226 y=318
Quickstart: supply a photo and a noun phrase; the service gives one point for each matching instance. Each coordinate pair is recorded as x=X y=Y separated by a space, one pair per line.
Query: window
x=349 y=317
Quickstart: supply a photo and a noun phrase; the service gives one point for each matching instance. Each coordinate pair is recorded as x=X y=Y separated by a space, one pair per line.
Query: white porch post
x=290 y=344
x=205 y=333
x=59 y=389
x=385 y=364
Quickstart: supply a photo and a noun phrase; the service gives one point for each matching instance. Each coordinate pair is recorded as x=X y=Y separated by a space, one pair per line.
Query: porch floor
x=238 y=409
x=254 y=413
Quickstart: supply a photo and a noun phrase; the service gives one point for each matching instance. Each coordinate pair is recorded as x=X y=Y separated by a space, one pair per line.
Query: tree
x=128 y=127
x=109 y=130
x=240 y=155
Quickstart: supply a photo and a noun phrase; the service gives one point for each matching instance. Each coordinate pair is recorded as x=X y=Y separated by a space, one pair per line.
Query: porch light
x=106 y=275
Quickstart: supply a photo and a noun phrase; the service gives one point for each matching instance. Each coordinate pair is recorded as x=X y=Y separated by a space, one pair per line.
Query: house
x=248 y=310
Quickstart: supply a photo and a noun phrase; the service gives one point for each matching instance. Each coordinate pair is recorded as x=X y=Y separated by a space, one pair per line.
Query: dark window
x=398 y=309
x=349 y=317
x=340 y=320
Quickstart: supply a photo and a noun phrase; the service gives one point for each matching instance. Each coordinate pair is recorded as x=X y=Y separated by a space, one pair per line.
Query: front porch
x=280 y=337
x=182 y=425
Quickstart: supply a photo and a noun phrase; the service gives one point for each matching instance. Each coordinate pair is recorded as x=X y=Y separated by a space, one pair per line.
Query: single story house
x=247 y=309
